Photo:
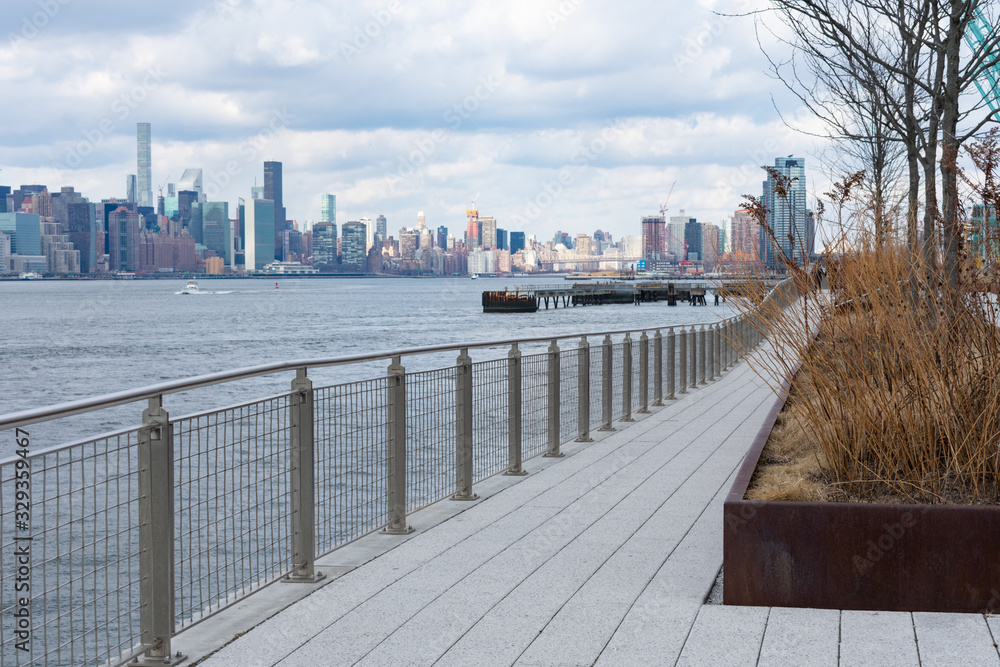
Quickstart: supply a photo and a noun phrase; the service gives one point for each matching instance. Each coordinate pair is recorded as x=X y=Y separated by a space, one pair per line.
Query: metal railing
x=138 y=534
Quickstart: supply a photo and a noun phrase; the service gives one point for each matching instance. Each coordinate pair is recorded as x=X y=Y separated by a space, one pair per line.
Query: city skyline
x=423 y=116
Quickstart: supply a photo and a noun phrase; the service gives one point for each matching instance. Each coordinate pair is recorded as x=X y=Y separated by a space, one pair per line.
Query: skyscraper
x=216 y=233
x=421 y=221
x=273 y=191
x=354 y=256
x=259 y=234
x=191 y=181
x=471 y=229
x=786 y=216
x=328 y=208
x=123 y=239
x=4 y=192
x=144 y=181
x=653 y=248
x=130 y=188
x=324 y=251
x=487 y=232
x=516 y=242
x=442 y=237
x=381 y=227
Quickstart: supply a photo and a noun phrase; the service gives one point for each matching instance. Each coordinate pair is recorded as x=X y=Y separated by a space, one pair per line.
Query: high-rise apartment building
x=124 y=226
x=487 y=232
x=130 y=188
x=744 y=241
x=409 y=241
x=786 y=217
x=693 y=238
x=653 y=246
x=259 y=233
x=324 y=244
x=354 y=255
x=4 y=193
x=421 y=221
x=442 y=237
x=144 y=181
x=273 y=190
x=502 y=239
x=328 y=208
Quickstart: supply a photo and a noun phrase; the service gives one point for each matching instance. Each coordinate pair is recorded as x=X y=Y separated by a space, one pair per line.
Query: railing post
x=727 y=347
x=463 y=428
x=627 y=379
x=303 y=517
x=553 y=450
x=693 y=344
x=643 y=374
x=702 y=355
x=683 y=358
x=658 y=368
x=671 y=364
x=156 y=535
x=606 y=388
x=514 y=406
x=583 y=391
x=396 y=460
x=713 y=332
x=718 y=350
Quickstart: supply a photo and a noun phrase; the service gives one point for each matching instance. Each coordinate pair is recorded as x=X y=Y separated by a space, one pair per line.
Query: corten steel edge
x=862 y=556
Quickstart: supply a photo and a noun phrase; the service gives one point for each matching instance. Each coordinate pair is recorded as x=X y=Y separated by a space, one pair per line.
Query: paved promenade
x=604 y=557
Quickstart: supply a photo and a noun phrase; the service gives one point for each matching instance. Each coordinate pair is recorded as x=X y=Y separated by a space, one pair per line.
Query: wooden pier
x=593 y=294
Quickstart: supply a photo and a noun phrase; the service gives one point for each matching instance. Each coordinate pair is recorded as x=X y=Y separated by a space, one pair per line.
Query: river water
x=68 y=340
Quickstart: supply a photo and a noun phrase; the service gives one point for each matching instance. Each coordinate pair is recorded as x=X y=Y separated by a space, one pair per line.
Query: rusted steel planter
x=857 y=555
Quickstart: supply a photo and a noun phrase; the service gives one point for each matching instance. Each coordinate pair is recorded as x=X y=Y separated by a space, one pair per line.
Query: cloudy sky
x=575 y=115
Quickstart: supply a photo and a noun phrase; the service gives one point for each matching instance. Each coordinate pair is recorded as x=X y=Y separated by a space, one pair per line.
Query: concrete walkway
x=605 y=557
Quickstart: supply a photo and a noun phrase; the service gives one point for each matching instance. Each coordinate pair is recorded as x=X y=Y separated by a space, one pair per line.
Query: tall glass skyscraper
x=216 y=231
x=273 y=191
x=786 y=216
x=328 y=208
x=144 y=137
x=259 y=223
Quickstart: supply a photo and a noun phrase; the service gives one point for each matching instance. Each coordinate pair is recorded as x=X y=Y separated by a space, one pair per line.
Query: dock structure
x=592 y=294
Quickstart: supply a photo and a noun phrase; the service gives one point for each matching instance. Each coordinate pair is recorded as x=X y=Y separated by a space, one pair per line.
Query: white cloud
x=372 y=89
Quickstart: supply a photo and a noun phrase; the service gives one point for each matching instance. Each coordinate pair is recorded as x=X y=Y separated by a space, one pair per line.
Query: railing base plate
x=316 y=577
x=474 y=496
x=553 y=455
x=584 y=440
x=397 y=531
x=515 y=473
x=175 y=659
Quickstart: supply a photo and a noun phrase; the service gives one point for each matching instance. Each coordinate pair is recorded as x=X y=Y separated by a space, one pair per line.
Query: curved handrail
x=70 y=408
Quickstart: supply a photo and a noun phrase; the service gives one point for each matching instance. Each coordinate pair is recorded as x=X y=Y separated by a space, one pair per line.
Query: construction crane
x=980 y=36
x=663 y=206
x=163 y=184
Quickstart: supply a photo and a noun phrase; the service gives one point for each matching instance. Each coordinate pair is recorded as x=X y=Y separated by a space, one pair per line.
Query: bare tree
x=892 y=66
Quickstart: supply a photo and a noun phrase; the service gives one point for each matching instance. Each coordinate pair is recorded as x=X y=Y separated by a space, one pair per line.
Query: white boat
x=191 y=288
x=473 y=276
x=30 y=275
